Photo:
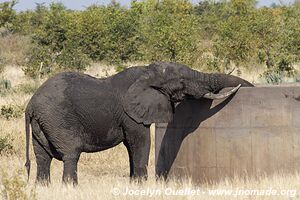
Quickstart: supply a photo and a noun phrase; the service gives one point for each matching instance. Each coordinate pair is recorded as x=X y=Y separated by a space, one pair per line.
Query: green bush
x=273 y=77
x=15 y=187
x=28 y=88
x=120 y=68
x=52 y=51
x=7 y=14
x=169 y=31
x=2 y=64
x=212 y=35
x=5 y=84
x=5 y=87
x=6 y=145
x=107 y=33
x=12 y=111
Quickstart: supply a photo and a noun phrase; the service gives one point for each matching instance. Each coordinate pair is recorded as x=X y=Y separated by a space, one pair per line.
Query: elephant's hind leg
x=43 y=161
x=42 y=153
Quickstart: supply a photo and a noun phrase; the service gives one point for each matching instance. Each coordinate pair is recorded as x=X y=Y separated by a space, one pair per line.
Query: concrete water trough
x=254 y=132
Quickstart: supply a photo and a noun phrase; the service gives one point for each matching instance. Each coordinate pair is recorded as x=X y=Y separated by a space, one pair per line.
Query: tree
x=108 y=33
x=7 y=13
x=234 y=41
x=169 y=30
x=53 y=50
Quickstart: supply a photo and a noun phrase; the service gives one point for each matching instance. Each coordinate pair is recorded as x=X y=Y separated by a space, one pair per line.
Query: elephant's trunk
x=219 y=81
x=226 y=80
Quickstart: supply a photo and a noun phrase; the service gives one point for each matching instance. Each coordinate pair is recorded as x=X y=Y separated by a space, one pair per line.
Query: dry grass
x=101 y=174
x=13 y=48
x=100 y=71
x=15 y=75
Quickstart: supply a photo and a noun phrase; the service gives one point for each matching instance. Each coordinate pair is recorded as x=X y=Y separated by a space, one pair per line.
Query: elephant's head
x=151 y=98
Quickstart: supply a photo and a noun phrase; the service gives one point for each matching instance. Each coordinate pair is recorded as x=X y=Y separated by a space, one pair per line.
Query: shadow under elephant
x=187 y=118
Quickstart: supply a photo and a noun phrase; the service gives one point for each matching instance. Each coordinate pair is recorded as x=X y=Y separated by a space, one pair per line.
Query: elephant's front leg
x=137 y=142
x=70 y=168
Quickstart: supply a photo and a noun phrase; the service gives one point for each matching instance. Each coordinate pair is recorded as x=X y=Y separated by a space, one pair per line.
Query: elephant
x=72 y=112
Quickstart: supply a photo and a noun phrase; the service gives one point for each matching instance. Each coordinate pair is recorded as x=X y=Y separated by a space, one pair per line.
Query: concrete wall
x=255 y=132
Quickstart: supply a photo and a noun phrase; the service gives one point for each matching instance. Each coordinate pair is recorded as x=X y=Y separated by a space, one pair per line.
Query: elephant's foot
x=140 y=175
x=70 y=171
x=42 y=181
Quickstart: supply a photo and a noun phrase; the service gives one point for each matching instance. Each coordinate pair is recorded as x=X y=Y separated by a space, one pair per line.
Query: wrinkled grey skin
x=73 y=113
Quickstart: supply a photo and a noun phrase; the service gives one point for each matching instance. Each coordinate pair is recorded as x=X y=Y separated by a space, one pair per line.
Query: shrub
x=52 y=50
x=120 y=68
x=6 y=145
x=273 y=77
x=108 y=33
x=15 y=187
x=7 y=13
x=28 y=88
x=12 y=111
x=2 y=64
x=297 y=76
x=212 y=35
x=169 y=30
x=5 y=87
x=5 y=84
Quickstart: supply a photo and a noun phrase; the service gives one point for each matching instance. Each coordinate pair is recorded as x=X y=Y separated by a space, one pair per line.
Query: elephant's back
x=49 y=92
x=53 y=89
x=62 y=81
x=75 y=96
x=59 y=92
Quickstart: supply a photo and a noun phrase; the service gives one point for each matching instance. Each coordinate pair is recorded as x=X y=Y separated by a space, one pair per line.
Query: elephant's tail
x=27 y=130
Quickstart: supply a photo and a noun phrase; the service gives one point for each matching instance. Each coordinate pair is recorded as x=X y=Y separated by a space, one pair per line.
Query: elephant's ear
x=147 y=105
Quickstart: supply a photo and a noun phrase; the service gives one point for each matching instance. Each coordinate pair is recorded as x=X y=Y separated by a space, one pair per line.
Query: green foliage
x=244 y=35
x=52 y=50
x=6 y=145
x=7 y=14
x=15 y=187
x=273 y=77
x=212 y=35
x=89 y=30
x=5 y=87
x=5 y=84
x=28 y=88
x=2 y=64
x=12 y=111
x=120 y=68
x=107 y=33
x=169 y=30
x=234 y=41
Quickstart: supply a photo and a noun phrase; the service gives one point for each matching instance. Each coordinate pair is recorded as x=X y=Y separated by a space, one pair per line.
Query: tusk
x=223 y=95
